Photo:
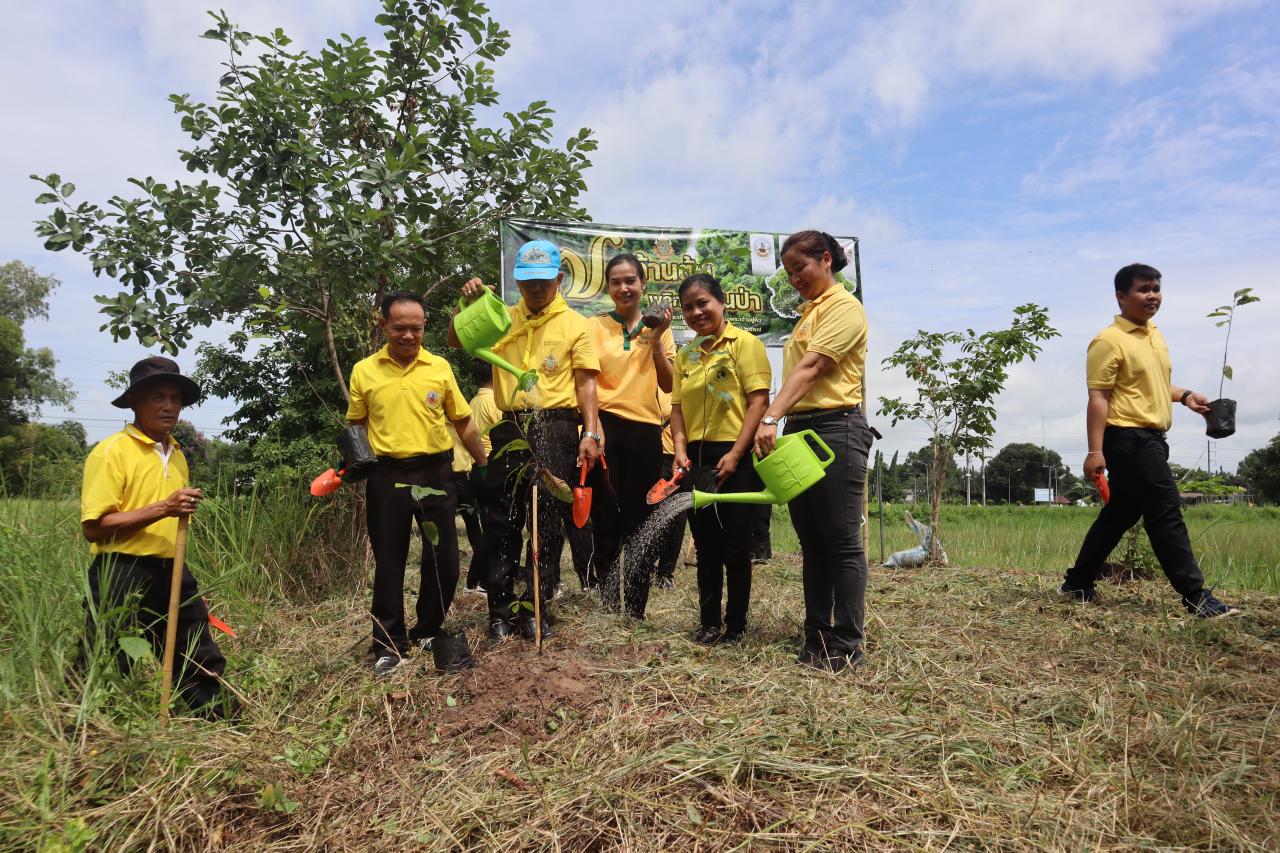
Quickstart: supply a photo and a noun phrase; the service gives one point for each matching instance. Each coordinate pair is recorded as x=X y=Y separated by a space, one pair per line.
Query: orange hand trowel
x=327 y=483
x=1104 y=489
x=664 y=489
x=581 y=500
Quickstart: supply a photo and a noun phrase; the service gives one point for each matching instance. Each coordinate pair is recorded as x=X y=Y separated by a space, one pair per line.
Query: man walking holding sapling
x=136 y=487
x=1130 y=408
x=404 y=395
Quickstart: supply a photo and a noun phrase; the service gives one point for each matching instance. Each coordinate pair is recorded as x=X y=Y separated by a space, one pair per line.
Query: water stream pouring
x=791 y=468
x=482 y=324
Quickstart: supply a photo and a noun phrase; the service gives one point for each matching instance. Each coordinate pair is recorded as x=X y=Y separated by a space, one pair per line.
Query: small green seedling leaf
x=136 y=648
x=1226 y=370
x=450 y=701
x=694 y=817
x=510 y=446
x=430 y=532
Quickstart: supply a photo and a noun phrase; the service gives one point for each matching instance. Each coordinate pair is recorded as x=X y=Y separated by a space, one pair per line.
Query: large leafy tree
x=1261 y=470
x=958 y=376
x=1020 y=468
x=324 y=180
x=28 y=381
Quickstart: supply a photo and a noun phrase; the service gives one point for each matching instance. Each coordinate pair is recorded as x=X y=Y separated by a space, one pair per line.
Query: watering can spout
x=525 y=379
x=701 y=499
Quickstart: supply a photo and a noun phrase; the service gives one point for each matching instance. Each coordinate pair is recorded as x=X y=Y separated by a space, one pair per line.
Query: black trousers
x=580 y=550
x=390 y=509
x=828 y=521
x=722 y=538
x=761 y=519
x=553 y=436
x=618 y=508
x=115 y=579
x=1142 y=486
x=672 y=536
x=469 y=486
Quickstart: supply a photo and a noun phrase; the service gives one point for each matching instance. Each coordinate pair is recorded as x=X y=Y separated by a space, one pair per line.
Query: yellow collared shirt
x=127 y=471
x=664 y=403
x=1132 y=362
x=835 y=325
x=711 y=386
x=627 y=384
x=484 y=414
x=405 y=408
x=560 y=346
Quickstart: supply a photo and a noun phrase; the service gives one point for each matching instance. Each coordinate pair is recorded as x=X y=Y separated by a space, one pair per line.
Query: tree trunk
x=333 y=351
x=935 y=498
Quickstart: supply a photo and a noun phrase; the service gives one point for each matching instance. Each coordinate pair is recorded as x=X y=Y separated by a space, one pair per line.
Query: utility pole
x=968 y=477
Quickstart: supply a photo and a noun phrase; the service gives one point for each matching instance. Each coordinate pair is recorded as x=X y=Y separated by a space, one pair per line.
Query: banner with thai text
x=748 y=265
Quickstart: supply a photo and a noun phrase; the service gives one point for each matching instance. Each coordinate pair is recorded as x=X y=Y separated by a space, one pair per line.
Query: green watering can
x=791 y=468
x=482 y=324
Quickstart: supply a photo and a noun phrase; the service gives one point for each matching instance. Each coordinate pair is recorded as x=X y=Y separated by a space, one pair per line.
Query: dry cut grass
x=988 y=715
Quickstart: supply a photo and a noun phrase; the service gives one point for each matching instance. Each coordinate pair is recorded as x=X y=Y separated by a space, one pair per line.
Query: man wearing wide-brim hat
x=136 y=487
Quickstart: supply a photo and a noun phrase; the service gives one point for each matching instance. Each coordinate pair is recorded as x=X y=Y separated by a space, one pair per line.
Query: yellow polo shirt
x=1132 y=362
x=127 y=471
x=664 y=403
x=555 y=347
x=711 y=386
x=405 y=408
x=835 y=325
x=627 y=384
x=484 y=414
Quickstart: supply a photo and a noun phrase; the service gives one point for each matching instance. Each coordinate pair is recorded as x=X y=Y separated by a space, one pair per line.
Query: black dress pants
x=1142 y=486
x=672 y=536
x=553 y=436
x=618 y=509
x=469 y=486
x=828 y=521
x=114 y=578
x=390 y=509
x=722 y=537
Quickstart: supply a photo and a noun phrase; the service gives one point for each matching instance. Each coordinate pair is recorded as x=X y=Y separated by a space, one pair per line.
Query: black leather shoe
x=526 y=628
x=707 y=635
x=498 y=631
x=732 y=636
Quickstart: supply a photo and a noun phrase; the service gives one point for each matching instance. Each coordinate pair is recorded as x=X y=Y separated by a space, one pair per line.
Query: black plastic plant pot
x=357 y=454
x=451 y=652
x=1220 y=420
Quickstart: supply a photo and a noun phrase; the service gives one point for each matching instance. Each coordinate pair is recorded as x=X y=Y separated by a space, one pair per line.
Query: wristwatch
x=769 y=420
x=593 y=435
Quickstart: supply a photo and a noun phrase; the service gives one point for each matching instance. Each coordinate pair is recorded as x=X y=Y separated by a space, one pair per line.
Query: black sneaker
x=733 y=636
x=1082 y=594
x=422 y=644
x=707 y=635
x=664 y=582
x=1206 y=605
x=386 y=665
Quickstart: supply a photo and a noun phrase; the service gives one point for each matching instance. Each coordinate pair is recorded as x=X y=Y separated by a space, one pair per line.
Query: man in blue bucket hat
x=549 y=337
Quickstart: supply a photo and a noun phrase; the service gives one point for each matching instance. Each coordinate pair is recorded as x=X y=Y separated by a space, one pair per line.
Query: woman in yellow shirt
x=823 y=363
x=720 y=392
x=635 y=364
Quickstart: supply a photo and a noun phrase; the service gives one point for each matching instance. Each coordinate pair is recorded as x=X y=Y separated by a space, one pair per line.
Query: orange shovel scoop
x=327 y=483
x=1100 y=480
x=664 y=489
x=581 y=501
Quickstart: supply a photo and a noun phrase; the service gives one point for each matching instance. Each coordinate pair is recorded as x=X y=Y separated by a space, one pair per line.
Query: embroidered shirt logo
x=801 y=332
x=433 y=399
x=550 y=363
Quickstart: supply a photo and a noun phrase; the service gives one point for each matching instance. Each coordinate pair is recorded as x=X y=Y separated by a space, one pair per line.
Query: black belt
x=523 y=416
x=812 y=415
x=405 y=461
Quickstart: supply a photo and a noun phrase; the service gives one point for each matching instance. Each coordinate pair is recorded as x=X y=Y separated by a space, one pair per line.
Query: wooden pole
x=537 y=580
x=171 y=626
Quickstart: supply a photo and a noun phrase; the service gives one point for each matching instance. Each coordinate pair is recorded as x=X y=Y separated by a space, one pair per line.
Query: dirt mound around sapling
x=515 y=695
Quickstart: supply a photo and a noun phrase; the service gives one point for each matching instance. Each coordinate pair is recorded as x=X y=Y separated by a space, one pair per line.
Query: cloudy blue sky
x=988 y=153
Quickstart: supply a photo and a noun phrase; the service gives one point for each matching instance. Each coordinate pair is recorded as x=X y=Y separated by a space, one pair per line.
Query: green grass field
x=989 y=714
